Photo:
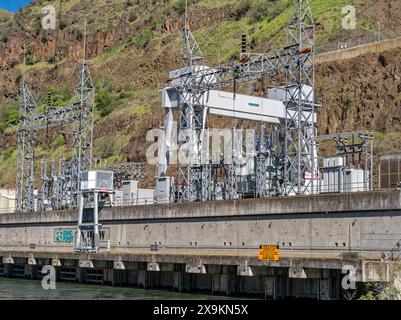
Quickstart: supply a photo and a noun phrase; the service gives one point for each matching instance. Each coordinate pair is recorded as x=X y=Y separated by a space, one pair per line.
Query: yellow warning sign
x=269 y=253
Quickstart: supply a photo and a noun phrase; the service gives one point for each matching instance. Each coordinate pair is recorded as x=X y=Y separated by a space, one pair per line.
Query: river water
x=22 y=289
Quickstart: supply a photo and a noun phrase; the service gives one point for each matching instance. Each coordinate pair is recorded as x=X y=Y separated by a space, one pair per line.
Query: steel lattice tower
x=83 y=131
x=66 y=187
x=191 y=175
x=25 y=199
x=80 y=115
x=300 y=157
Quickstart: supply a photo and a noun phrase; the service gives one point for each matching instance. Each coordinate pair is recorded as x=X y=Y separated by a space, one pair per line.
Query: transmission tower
x=83 y=134
x=80 y=115
x=191 y=173
x=25 y=199
x=83 y=131
x=300 y=157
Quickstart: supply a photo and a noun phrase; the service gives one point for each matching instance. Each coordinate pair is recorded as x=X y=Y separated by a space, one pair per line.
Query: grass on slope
x=220 y=42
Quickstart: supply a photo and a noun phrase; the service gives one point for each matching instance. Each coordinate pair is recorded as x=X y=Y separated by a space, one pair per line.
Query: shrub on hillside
x=105 y=101
x=179 y=6
x=4 y=38
x=12 y=116
x=265 y=10
x=60 y=97
x=107 y=148
x=59 y=141
x=7 y=155
x=62 y=24
x=29 y=60
x=143 y=38
x=241 y=9
x=349 y=101
x=79 y=35
x=132 y=16
x=259 y=11
x=8 y=117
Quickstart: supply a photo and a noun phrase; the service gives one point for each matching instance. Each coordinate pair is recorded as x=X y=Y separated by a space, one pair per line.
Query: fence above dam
x=358 y=50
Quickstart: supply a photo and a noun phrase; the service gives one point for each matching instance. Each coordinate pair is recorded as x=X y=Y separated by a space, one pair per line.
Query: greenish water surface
x=21 y=289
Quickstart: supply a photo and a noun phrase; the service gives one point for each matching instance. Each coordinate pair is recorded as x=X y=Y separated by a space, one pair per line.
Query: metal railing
x=133 y=202
x=103 y=203
x=121 y=202
x=389 y=251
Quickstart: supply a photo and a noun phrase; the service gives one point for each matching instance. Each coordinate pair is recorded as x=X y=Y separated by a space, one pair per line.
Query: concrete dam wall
x=365 y=221
x=317 y=236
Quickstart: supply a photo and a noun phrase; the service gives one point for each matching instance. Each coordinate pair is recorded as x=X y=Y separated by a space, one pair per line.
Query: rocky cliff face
x=360 y=94
x=64 y=46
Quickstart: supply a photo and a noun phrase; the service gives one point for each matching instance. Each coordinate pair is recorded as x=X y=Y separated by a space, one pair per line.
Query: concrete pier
x=213 y=246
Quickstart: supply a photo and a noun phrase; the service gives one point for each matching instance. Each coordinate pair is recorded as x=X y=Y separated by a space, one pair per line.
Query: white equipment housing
x=337 y=178
x=333 y=175
x=164 y=189
x=133 y=195
x=130 y=191
x=354 y=181
x=97 y=181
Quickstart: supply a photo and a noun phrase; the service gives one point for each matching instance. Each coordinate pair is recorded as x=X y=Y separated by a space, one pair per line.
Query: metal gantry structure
x=194 y=82
x=83 y=123
x=25 y=198
x=356 y=151
x=190 y=175
x=80 y=117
